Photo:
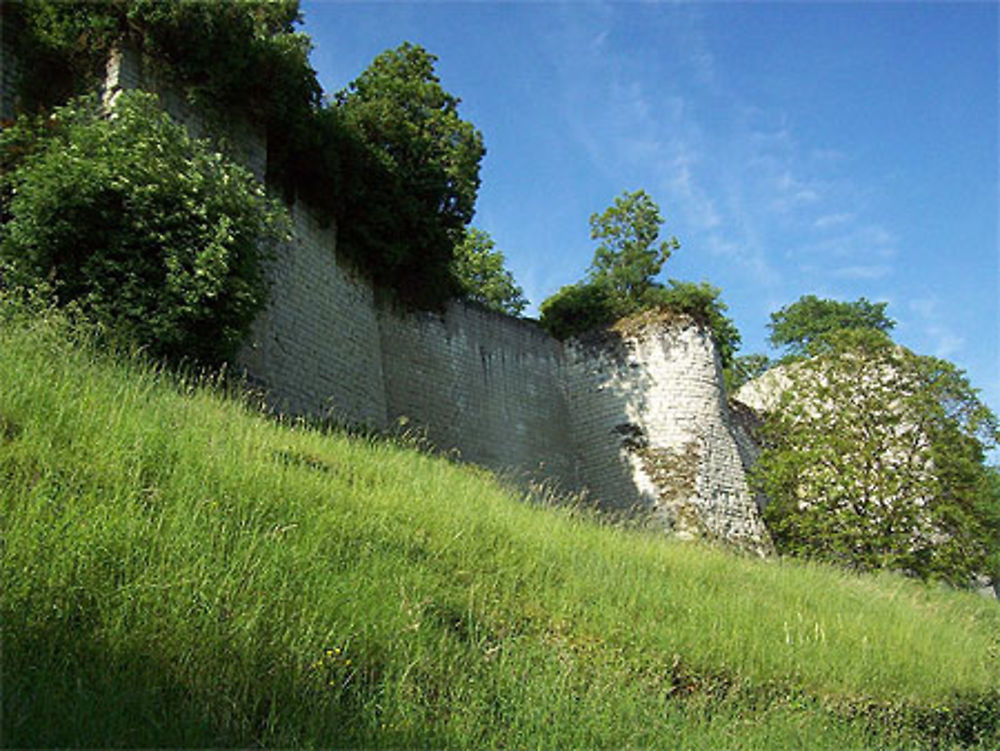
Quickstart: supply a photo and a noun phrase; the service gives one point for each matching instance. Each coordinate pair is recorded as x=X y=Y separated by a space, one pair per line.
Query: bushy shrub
x=577 y=308
x=152 y=234
x=389 y=159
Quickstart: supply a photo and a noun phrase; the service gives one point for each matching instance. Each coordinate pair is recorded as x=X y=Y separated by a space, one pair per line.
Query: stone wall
x=316 y=347
x=486 y=384
x=635 y=416
x=653 y=430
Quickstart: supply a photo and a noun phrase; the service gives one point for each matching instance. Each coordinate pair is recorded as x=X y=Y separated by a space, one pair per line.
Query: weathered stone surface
x=653 y=430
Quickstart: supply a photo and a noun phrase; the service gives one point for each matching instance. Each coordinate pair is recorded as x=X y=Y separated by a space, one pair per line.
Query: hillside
x=179 y=570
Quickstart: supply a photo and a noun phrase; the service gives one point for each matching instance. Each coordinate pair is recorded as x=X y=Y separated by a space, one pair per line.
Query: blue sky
x=835 y=149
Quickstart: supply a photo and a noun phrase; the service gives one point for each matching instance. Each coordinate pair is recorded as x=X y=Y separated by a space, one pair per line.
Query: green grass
x=178 y=570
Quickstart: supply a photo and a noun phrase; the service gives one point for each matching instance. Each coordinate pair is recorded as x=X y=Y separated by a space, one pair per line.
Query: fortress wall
x=315 y=349
x=486 y=384
x=635 y=415
x=652 y=429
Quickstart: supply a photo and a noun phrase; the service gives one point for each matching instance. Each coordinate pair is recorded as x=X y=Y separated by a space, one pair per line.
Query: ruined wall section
x=652 y=429
x=488 y=385
x=636 y=415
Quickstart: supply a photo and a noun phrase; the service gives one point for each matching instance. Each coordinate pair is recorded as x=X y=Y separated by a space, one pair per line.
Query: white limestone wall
x=652 y=429
x=315 y=349
x=486 y=384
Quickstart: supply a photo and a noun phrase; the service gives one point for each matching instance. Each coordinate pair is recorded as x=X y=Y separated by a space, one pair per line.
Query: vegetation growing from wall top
x=622 y=279
x=479 y=268
x=401 y=179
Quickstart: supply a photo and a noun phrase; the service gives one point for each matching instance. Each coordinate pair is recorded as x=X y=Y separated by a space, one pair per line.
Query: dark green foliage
x=390 y=159
x=479 y=268
x=154 y=236
x=427 y=159
x=988 y=511
x=576 y=309
x=628 y=258
x=242 y=55
x=874 y=459
x=797 y=325
x=746 y=368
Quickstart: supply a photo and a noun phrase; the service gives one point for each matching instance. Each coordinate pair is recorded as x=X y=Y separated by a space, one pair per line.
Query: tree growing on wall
x=153 y=235
x=629 y=255
x=389 y=158
x=622 y=278
x=427 y=159
x=479 y=268
x=874 y=459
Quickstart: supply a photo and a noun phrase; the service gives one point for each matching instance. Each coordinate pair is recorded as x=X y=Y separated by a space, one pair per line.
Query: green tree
x=236 y=55
x=874 y=459
x=155 y=236
x=621 y=279
x=479 y=268
x=427 y=160
x=798 y=324
x=746 y=368
x=628 y=257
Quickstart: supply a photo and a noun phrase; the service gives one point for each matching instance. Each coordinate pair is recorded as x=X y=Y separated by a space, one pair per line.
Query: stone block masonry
x=489 y=385
x=653 y=431
x=316 y=347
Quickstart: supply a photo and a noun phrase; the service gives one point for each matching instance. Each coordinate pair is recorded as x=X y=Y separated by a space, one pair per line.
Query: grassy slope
x=179 y=571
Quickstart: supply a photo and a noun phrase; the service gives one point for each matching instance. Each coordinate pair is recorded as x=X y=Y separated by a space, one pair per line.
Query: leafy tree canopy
x=152 y=234
x=628 y=257
x=798 y=324
x=243 y=55
x=621 y=280
x=874 y=459
x=389 y=157
x=479 y=268
x=428 y=160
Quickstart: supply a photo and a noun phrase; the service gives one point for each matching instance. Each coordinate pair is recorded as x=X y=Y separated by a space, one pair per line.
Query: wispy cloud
x=827 y=221
x=941 y=340
x=862 y=272
x=734 y=179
